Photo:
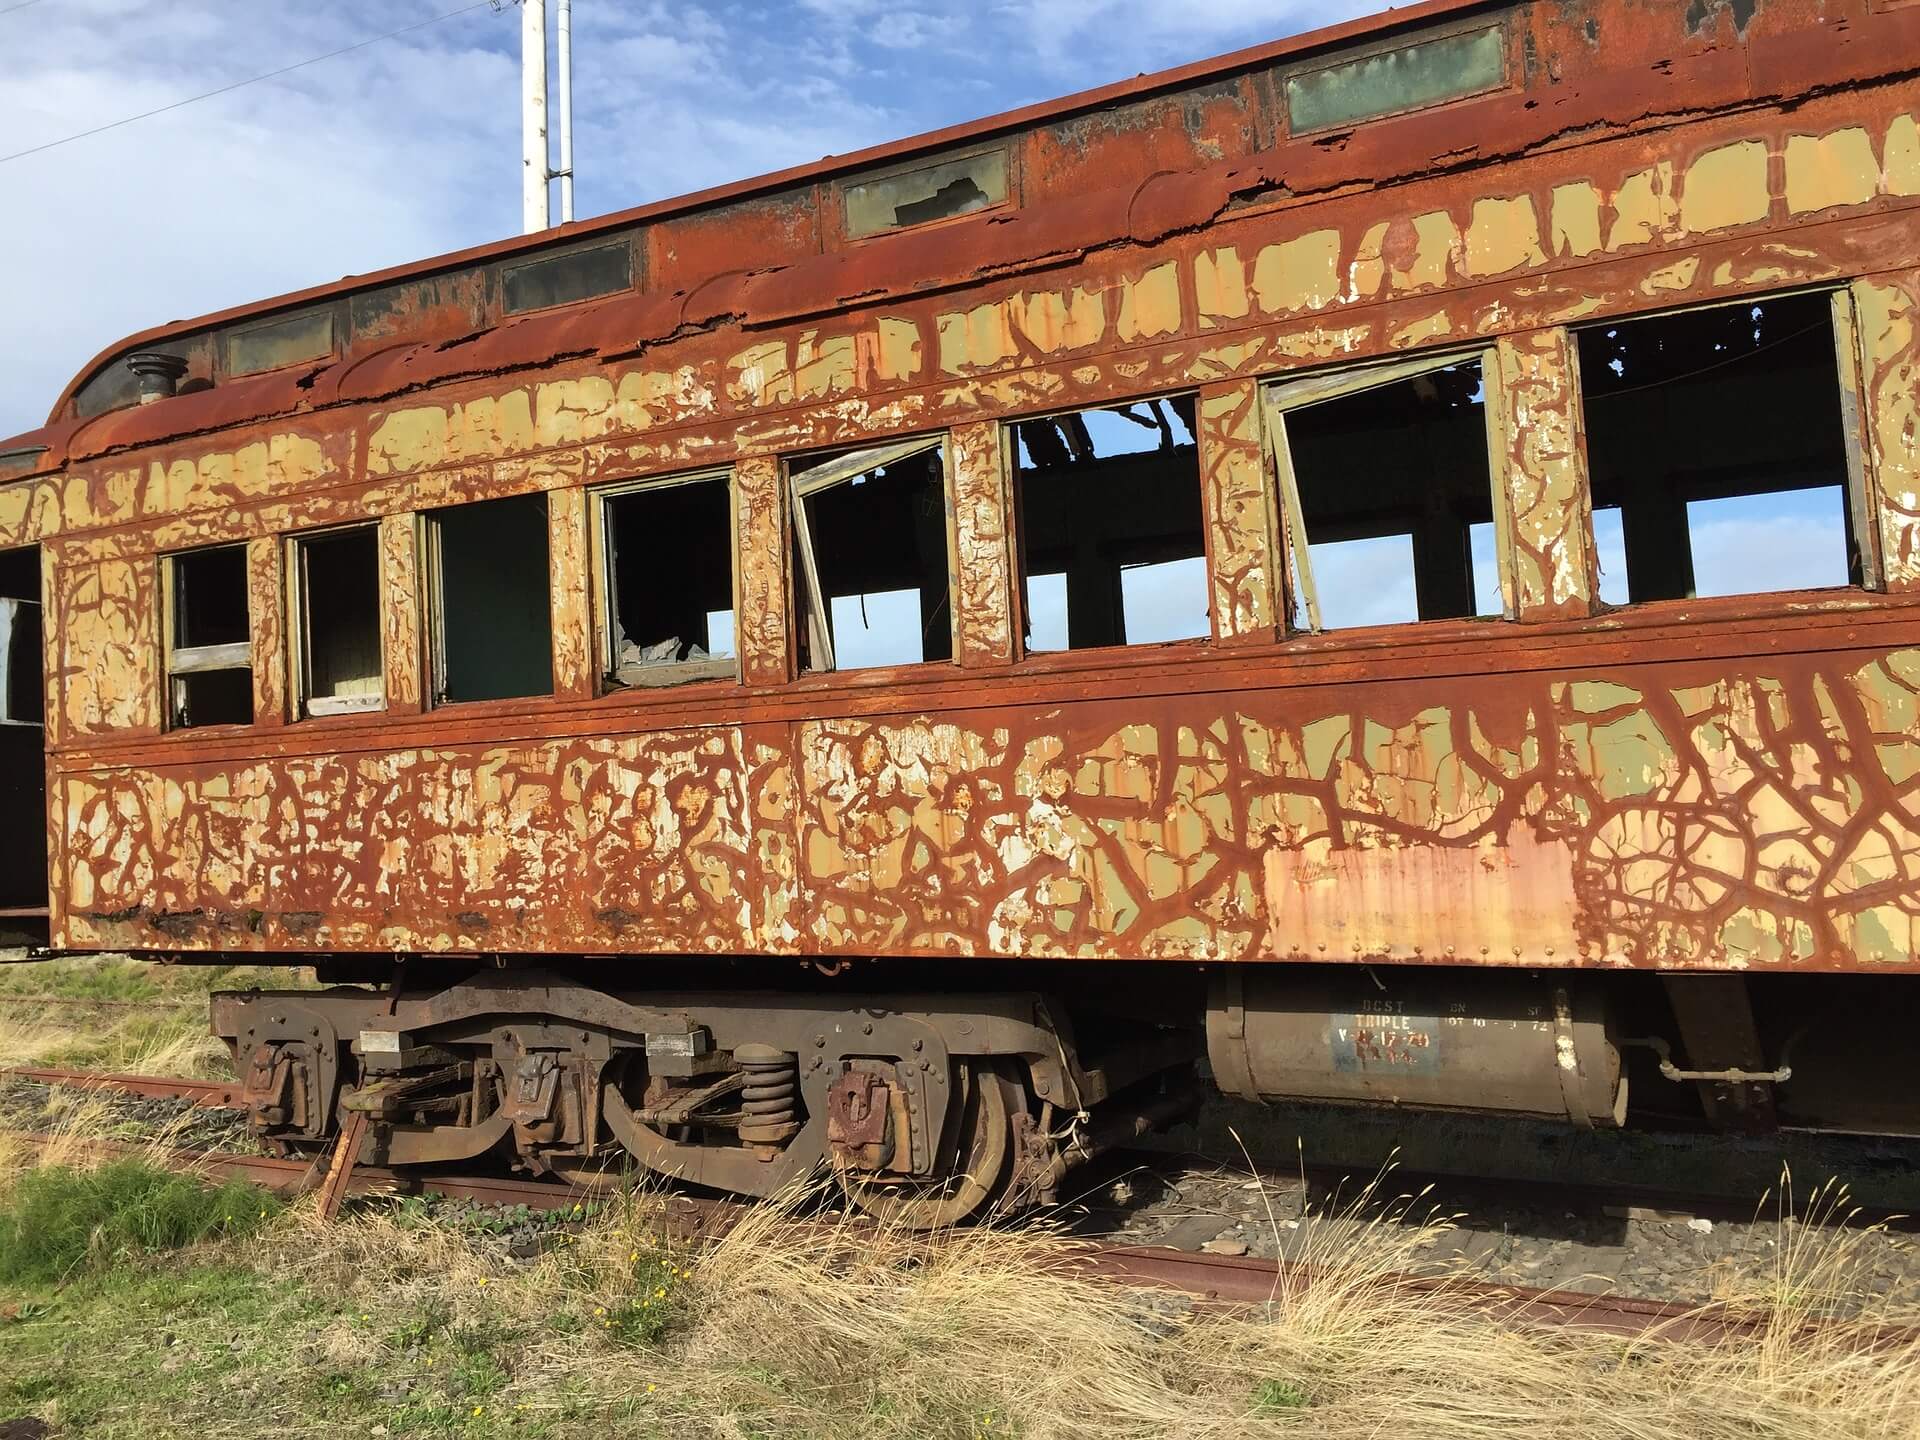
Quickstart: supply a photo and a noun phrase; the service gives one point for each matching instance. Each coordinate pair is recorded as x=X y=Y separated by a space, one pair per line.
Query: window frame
x=1281 y=395
x=1393 y=44
x=307 y=705
x=8 y=657
x=1857 y=500
x=434 y=602
x=1011 y=487
x=180 y=661
x=606 y=574
x=803 y=483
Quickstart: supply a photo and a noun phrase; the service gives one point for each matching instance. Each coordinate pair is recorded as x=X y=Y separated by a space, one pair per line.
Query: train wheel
x=978 y=1164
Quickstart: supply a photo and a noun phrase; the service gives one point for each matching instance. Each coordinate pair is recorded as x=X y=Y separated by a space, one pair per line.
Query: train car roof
x=883 y=155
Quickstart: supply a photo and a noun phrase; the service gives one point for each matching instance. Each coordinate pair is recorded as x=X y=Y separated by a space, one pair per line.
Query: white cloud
x=411 y=147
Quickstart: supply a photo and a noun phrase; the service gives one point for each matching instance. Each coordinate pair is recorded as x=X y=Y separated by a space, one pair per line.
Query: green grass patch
x=1277 y=1397
x=56 y=1221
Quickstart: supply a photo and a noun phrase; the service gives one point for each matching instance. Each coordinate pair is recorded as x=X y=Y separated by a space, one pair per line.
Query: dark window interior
x=1112 y=539
x=562 y=279
x=1717 y=451
x=670 y=577
x=210 y=609
x=340 y=580
x=1398 y=500
x=496 y=624
x=880 y=547
x=23 y=764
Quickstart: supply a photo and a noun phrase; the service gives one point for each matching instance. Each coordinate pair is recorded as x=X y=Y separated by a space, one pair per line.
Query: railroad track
x=1210 y=1279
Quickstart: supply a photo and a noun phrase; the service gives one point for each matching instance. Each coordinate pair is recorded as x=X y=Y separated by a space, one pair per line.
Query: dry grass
x=792 y=1327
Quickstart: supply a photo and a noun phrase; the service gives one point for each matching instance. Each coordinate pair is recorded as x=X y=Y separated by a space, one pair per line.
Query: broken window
x=210 y=638
x=667 y=550
x=1113 y=542
x=338 y=577
x=870 y=540
x=1387 y=493
x=932 y=192
x=564 y=278
x=21 y=673
x=284 y=340
x=1718 y=453
x=492 y=611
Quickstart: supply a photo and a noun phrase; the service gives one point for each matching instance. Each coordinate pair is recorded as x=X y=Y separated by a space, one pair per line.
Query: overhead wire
x=21 y=6
x=250 y=80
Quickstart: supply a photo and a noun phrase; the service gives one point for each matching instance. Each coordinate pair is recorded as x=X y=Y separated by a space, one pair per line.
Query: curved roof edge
x=1047 y=110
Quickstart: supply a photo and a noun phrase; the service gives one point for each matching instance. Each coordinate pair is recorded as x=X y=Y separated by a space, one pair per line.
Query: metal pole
x=565 y=171
x=533 y=115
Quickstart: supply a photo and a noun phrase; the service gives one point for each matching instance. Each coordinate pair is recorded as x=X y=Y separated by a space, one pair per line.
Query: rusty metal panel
x=763 y=627
x=267 y=621
x=1887 y=311
x=402 y=610
x=1550 y=509
x=575 y=647
x=1243 y=554
x=106 y=626
x=980 y=543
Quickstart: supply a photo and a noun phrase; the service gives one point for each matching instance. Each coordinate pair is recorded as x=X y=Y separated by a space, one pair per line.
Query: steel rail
x=1214 y=1281
x=210 y=1094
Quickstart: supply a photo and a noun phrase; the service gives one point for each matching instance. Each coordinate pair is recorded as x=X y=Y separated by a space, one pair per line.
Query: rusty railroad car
x=1384 y=564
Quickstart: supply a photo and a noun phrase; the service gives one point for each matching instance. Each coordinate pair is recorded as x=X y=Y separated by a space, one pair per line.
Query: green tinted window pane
x=933 y=193
x=1392 y=80
x=286 y=341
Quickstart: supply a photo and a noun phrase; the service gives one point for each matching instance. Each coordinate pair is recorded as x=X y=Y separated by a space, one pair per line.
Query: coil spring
x=769 y=1098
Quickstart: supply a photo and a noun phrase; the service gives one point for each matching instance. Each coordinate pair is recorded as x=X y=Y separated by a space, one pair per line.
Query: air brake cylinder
x=1448 y=1040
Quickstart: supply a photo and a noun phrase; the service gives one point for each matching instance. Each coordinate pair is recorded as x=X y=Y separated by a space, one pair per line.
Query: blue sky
x=411 y=147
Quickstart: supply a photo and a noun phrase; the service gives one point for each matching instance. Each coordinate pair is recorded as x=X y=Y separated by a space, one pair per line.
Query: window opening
x=870 y=535
x=23 y=757
x=1718 y=453
x=1389 y=82
x=552 y=280
x=339 y=593
x=932 y=192
x=1388 y=493
x=493 y=618
x=1112 y=537
x=210 y=642
x=668 y=557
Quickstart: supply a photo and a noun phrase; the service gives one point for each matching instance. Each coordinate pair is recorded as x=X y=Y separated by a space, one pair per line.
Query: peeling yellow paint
x=1901 y=166
x=1298 y=274
x=1824 y=171
x=1726 y=187
x=1503 y=235
x=823 y=367
x=419 y=439
x=1576 y=219
x=1644 y=211
x=1150 y=305
x=1219 y=286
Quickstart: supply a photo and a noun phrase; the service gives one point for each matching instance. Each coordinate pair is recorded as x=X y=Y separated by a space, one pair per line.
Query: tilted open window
x=209 y=638
x=492 y=600
x=1718 y=452
x=666 y=550
x=1113 y=545
x=870 y=544
x=337 y=613
x=1386 y=492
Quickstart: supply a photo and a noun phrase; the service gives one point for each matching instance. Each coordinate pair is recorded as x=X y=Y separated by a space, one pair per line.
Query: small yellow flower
x=649 y=1387
x=479 y=1409
x=660 y=1294
x=599 y=1309
x=483 y=1282
x=633 y=1257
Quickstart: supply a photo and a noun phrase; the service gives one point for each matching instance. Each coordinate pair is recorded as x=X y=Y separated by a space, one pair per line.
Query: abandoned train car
x=1385 y=563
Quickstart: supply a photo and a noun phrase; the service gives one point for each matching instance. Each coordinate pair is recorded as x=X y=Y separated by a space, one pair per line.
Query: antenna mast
x=533 y=115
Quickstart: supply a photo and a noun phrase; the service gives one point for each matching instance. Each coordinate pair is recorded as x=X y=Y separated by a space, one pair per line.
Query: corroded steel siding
x=1721 y=783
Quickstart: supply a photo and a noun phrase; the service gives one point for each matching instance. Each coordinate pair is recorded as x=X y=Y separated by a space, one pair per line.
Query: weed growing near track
x=53 y=1221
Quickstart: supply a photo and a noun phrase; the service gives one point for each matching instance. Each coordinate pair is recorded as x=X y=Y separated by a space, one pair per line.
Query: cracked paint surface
x=1243 y=562
x=1546 y=474
x=1693 y=816
x=981 y=578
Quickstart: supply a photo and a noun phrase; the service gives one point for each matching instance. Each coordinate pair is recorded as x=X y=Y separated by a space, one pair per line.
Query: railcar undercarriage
x=930 y=1107
x=927 y=1114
